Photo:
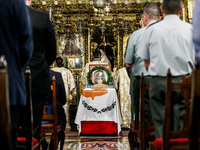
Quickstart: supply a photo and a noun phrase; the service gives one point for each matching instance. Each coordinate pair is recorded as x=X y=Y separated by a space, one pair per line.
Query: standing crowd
x=162 y=44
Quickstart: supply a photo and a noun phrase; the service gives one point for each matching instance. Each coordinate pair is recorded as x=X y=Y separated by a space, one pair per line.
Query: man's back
x=174 y=50
x=43 y=56
x=131 y=57
x=44 y=51
x=60 y=88
x=60 y=99
x=16 y=45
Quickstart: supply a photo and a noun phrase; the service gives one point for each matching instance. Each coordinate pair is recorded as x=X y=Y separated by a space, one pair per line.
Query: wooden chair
x=5 y=132
x=171 y=139
x=52 y=128
x=27 y=141
x=194 y=129
x=132 y=137
x=146 y=133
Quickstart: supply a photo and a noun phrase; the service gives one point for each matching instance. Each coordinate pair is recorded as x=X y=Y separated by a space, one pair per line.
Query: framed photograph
x=71 y=63
x=99 y=72
x=99 y=75
x=78 y=62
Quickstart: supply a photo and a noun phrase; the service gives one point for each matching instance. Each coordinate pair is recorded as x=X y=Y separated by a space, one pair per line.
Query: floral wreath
x=109 y=81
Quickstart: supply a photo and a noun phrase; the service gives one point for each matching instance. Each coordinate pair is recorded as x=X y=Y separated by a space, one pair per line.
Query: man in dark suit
x=60 y=101
x=60 y=97
x=17 y=46
x=43 y=56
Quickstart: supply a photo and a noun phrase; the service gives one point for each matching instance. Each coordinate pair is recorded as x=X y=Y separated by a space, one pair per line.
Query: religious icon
x=71 y=48
x=71 y=63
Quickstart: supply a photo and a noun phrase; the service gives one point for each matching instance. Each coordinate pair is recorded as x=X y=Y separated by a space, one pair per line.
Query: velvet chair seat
x=158 y=142
x=22 y=140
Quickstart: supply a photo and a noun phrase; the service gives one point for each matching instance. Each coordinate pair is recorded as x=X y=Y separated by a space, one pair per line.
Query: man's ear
x=181 y=11
x=144 y=18
x=162 y=11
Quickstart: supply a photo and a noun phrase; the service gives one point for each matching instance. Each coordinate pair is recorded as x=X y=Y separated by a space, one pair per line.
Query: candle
x=44 y=2
x=56 y=3
x=50 y=12
x=68 y=2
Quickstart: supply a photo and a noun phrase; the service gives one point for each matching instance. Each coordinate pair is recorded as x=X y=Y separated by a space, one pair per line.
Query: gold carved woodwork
x=66 y=13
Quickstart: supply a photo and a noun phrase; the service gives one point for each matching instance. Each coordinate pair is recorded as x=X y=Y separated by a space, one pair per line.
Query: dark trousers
x=135 y=100
x=157 y=94
x=38 y=107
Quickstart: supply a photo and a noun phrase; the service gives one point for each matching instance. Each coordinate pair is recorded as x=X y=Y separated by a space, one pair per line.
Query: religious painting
x=73 y=45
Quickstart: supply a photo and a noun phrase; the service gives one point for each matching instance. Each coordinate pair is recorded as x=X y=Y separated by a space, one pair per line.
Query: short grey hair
x=152 y=11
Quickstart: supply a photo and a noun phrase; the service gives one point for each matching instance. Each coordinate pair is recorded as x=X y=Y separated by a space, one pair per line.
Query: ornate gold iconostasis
x=83 y=25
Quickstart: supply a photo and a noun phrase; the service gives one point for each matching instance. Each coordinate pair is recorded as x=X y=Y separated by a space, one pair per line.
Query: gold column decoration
x=56 y=18
x=185 y=11
x=89 y=46
x=190 y=10
x=91 y=26
x=188 y=7
x=118 y=51
x=114 y=24
x=68 y=26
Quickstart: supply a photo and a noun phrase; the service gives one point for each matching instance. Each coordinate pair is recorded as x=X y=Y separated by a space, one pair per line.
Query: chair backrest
x=144 y=125
x=29 y=117
x=5 y=128
x=53 y=117
x=194 y=129
x=185 y=87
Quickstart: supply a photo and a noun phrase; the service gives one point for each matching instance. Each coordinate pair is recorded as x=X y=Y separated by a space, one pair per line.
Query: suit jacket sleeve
x=50 y=50
x=24 y=35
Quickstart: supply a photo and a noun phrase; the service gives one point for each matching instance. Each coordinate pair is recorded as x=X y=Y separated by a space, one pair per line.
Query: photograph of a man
x=99 y=75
